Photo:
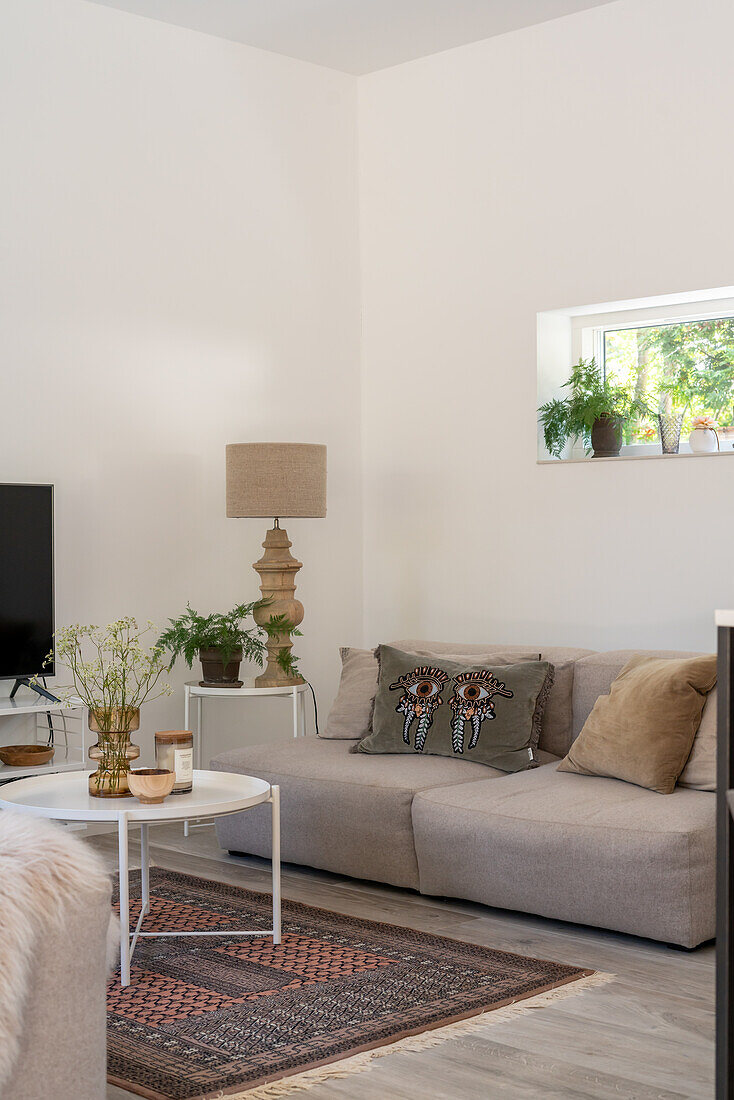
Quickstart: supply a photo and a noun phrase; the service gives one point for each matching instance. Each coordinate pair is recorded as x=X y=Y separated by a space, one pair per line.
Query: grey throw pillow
x=349 y=717
x=480 y=712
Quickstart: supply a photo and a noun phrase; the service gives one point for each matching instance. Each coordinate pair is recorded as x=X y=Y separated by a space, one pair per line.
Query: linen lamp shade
x=276 y=480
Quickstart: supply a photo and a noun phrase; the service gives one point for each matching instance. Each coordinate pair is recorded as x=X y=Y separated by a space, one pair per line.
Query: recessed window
x=636 y=379
x=684 y=369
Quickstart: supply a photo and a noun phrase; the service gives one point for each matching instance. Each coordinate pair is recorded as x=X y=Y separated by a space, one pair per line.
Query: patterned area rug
x=213 y=1017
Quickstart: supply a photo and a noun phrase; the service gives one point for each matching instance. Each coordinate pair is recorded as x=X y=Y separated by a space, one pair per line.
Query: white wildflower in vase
x=113 y=674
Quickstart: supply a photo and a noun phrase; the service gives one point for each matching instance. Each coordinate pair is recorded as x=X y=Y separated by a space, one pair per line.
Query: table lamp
x=277 y=480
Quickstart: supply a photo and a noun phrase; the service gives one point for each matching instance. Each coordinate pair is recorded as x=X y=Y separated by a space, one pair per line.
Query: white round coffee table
x=65 y=797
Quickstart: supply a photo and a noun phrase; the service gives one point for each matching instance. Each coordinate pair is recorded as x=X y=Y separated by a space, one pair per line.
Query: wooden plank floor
x=648 y=1035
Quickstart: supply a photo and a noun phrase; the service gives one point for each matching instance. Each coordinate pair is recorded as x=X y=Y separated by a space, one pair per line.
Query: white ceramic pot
x=703 y=441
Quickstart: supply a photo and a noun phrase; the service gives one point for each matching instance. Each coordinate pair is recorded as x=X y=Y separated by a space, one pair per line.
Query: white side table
x=194 y=690
x=66 y=797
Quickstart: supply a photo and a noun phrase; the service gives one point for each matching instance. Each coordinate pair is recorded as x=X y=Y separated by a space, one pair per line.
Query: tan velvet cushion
x=700 y=771
x=642 y=732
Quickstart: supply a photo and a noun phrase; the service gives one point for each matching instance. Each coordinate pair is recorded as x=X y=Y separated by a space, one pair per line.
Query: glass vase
x=113 y=751
x=670 y=428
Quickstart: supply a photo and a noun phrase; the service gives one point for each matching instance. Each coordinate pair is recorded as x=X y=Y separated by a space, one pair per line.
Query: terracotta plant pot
x=216 y=672
x=606 y=436
x=113 y=751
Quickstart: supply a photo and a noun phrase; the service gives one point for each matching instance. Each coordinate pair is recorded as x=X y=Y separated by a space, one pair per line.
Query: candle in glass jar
x=174 y=752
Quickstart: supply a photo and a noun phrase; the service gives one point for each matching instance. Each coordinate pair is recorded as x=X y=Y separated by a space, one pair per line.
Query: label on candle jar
x=183 y=765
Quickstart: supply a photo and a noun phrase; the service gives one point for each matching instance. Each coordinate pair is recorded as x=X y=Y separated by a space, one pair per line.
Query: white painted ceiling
x=355 y=36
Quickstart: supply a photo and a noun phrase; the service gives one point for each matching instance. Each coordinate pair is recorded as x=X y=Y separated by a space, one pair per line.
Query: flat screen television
x=26 y=579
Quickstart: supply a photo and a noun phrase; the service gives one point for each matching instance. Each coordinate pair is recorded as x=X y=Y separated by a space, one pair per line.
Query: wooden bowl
x=151 y=785
x=26 y=756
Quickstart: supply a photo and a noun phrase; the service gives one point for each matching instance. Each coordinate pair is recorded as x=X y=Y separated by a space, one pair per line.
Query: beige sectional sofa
x=572 y=847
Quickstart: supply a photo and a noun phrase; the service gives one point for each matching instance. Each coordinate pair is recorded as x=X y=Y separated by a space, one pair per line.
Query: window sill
x=632 y=458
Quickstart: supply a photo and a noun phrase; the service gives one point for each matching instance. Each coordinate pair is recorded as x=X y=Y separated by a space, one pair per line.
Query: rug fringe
x=357 y=1063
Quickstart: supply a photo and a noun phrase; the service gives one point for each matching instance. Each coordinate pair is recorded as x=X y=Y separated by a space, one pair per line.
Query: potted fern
x=595 y=410
x=222 y=640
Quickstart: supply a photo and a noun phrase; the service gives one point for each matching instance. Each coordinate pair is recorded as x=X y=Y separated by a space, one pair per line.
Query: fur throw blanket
x=43 y=870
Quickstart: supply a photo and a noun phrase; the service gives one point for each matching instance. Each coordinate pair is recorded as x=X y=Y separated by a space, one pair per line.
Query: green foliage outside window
x=680 y=368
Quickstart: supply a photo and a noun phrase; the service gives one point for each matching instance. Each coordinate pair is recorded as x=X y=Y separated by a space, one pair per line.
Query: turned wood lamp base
x=277 y=569
x=277 y=479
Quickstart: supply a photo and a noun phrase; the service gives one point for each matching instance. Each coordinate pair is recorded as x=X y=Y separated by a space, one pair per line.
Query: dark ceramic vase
x=606 y=436
x=216 y=672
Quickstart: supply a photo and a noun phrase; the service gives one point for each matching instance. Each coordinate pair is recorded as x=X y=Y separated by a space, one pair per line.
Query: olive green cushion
x=484 y=713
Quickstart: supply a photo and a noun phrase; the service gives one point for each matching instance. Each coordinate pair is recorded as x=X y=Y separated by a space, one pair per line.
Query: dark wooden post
x=724 y=872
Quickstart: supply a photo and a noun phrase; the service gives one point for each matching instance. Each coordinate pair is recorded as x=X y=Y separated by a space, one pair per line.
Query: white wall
x=583 y=160
x=178 y=227
x=179 y=269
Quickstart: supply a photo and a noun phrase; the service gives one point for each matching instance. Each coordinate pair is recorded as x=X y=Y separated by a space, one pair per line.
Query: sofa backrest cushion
x=643 y=731
x=700 y=771
x=593 y=676
x=350 y=716
x=351 y=711
x=492 y=712
x=555 y=733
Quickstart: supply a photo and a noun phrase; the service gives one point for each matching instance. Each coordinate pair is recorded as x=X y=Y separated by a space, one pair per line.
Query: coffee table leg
x=275 y=809
x=124 y=901
x=144 y=867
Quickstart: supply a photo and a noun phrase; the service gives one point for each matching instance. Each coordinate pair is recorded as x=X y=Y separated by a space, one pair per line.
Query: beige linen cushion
x=643 y=731
x=700 y=771
x=349 y=717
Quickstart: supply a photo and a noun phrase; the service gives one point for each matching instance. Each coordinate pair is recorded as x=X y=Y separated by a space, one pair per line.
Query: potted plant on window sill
x=221 y=641
x=595 y=410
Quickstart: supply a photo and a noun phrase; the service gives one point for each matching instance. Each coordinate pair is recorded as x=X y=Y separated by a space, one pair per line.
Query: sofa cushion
x=573 y=847
x=340 y=812
x=351 y=711
x=700 y=771
x=642 y=731
x=483 y=712
x=555 y=733
x=595 y=673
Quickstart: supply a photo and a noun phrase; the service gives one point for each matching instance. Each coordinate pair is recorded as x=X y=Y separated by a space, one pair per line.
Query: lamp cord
x=315 y=708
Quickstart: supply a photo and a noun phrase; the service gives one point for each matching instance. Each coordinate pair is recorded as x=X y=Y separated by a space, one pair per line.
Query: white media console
x=69 y=734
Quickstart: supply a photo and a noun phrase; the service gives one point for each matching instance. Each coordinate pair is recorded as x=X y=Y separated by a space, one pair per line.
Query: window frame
x=585 y=328
x=600 y=332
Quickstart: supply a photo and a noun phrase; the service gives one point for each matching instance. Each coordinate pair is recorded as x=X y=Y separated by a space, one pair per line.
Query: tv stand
x=26 y=681
x=69 y=737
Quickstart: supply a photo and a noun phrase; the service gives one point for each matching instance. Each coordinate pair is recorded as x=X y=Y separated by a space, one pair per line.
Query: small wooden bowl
x=26 y=756
x=151 y=785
